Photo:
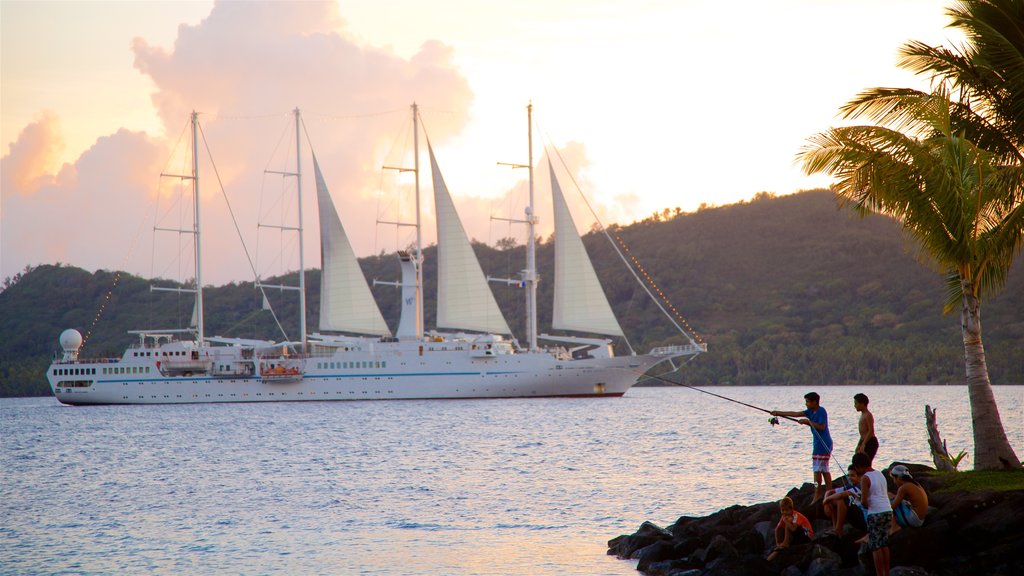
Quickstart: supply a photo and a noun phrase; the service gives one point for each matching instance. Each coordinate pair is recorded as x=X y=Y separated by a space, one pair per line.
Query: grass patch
x=975 y=480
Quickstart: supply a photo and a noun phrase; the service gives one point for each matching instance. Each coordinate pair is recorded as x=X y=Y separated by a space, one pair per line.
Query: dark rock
x=799 y=555
x=614 y=543
x=671 y=568
x=724 y=566
x=653 y=530
x=690 y=572
x=656 y=552
x=964 y=533
x=751 y=542
x=680 y=525
x=720 y=548
x=824 y=562
x=630 y=544
x=908 y=571
x=766 y=530
x=686 y=546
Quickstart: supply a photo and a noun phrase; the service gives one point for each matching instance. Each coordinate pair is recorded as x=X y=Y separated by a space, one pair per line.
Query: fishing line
x=774 y=420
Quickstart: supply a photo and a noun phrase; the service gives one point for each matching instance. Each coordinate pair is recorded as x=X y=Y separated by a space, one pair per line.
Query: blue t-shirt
x=822 y=438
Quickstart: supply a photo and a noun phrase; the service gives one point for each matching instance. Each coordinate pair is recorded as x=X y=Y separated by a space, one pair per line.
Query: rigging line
x=604 y=230
x=353 y=116
x=117 y=273
x=240 y=117
x=237 y=229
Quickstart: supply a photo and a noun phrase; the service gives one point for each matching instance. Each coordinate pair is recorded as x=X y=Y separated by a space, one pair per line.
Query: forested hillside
x=786 y=290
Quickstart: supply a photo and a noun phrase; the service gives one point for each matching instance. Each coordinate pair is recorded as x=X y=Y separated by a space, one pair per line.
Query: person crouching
x=793 y=528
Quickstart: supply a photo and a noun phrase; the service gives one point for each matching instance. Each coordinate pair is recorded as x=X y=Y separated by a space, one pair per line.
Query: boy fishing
x=816 y=418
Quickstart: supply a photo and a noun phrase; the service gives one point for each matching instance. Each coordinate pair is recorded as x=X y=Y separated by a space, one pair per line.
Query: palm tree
x=987 y=73
x=948 y=165
x=960 y=201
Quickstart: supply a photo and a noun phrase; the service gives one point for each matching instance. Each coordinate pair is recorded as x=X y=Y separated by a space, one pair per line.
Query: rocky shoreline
x=978 y=532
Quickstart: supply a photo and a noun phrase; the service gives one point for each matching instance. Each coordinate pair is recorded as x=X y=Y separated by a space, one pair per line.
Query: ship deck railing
x=681 y=350
x=58 y=360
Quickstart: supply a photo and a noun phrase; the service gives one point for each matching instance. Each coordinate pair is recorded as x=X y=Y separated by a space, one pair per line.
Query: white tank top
x=878 y=496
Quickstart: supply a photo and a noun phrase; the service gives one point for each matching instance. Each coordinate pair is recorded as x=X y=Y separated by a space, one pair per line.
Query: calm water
x=413 y=487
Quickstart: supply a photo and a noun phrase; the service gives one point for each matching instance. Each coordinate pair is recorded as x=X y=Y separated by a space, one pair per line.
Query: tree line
x=784 y=290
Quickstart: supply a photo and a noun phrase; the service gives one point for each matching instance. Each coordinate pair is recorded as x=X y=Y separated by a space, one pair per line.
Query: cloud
x=89 y=212
x=243 y=68
x=32 y=159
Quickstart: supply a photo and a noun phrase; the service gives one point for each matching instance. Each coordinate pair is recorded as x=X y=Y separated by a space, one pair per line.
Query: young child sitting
x=793 y=528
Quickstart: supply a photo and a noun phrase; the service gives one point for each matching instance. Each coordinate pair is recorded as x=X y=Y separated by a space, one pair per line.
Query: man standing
x=868 y=442
x=816 y=418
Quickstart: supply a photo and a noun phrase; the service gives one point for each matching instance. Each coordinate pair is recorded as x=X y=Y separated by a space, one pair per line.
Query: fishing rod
x=774 y=420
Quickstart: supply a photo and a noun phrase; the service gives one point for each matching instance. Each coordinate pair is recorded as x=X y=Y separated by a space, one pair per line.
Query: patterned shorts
x=819 y=462
x=878 y=530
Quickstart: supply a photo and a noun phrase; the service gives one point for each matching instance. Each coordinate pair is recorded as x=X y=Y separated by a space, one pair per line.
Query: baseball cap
x=901 y=471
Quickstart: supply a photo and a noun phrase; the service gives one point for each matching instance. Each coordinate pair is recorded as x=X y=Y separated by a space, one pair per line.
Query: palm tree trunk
x=991 y=448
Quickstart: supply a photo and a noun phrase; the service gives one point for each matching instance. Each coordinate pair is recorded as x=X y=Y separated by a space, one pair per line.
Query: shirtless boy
x=910 y=505
x=868 y=443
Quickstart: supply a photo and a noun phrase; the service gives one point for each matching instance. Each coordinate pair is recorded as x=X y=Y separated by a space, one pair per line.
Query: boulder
x=908 y=571
x=720 y=547
x=656 y=552
x=964 y=533
x=824 y=562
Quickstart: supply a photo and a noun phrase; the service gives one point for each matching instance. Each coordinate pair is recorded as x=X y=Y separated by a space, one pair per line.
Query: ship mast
x=419 y=227
x=528 y=278
x=301 y=288
x=194 y=177
x=411 y=304
x=531 y=248
x=195 y=193
x=302 y=264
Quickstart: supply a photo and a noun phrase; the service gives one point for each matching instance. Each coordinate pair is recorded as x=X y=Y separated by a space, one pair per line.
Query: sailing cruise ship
x=355 y=356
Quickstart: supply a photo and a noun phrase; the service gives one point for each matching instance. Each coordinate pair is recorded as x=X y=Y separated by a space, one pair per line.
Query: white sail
x=464 y=300
x=346 y=304
x=580 y=303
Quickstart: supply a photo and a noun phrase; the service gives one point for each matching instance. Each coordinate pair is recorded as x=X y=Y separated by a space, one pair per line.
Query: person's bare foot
x=861 y=540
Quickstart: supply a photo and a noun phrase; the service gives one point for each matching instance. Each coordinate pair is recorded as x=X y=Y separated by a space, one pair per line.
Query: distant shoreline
x=658 y=384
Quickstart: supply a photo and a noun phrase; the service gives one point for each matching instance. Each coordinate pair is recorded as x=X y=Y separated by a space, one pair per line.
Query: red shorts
x=819 y=462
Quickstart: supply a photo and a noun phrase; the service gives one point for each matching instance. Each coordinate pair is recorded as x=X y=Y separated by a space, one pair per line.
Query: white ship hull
x=382 y=374
x=381 y=365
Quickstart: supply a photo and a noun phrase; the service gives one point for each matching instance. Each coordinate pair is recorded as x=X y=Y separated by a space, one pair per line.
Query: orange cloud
x=32 y=159
x=88 y=214
x=243 y=62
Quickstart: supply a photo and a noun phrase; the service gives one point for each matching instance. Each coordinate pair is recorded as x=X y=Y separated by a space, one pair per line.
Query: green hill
x=785 y=290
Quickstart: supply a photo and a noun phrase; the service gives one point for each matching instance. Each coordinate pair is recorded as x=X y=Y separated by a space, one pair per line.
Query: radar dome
x=70 y=340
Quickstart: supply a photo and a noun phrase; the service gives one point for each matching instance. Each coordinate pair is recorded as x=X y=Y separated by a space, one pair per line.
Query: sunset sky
x=653 y=104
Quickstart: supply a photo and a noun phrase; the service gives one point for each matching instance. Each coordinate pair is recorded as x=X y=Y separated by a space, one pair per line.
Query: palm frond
x=954 y=292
